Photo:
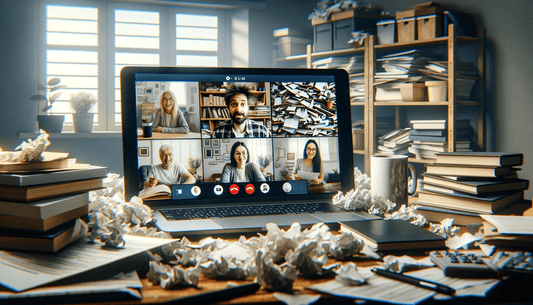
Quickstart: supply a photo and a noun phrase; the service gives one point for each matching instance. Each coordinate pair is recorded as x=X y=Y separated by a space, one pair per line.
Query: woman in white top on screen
x=168 y=118
x=311 y=163
x=240 y=169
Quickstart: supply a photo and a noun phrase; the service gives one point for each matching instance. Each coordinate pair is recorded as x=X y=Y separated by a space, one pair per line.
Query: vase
x=51 y=123
x=83 y=122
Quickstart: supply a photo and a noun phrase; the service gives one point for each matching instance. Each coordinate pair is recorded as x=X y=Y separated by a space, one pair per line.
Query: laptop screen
x=220 y=135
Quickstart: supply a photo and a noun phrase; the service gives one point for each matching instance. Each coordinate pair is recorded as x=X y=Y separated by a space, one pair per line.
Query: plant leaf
x=46 y=108
x=54 y=96
x=53 y=81
x=38 y=98
x=55 y=88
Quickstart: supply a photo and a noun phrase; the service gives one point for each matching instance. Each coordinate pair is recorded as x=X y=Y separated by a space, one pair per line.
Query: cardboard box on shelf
x=429 y=26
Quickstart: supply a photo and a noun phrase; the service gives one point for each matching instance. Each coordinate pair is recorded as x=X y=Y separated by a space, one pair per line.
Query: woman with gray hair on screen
x=169 y=118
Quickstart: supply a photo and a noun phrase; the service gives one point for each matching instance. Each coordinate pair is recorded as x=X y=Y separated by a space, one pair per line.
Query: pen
x=414 y=280
x=217 y=295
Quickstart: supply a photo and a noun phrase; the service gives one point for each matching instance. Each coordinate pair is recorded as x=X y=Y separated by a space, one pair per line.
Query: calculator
x=462 y=265
x=515 y=263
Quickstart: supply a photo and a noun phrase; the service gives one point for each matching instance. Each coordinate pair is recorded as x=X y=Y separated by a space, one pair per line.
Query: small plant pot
x=83 y=122
x=51 y=123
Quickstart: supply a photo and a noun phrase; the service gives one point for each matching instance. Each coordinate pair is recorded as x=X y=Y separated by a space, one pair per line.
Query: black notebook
x=393 y=234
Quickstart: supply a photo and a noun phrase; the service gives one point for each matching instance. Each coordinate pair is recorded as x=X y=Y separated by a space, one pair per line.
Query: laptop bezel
x=130 y=142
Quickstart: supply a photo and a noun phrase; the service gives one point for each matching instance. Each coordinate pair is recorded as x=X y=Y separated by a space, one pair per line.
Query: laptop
x=294 y=155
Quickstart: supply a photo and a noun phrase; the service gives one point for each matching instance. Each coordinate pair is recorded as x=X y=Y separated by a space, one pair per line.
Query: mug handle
x=414 y=182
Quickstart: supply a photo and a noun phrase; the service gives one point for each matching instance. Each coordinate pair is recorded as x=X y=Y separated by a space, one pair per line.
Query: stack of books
x=394 y=143
x=41 y=202
x=467 y=76
x=465 y=185
x=395 y=69
x=428 y=138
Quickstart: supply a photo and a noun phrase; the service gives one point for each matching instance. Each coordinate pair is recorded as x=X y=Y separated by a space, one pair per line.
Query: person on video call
x=239 y=126
x=240 y=169
x=311 y=163
x=169 y=118
x=168 y=172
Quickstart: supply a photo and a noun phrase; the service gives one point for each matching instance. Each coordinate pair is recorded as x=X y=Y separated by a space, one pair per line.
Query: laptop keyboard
x=236 y=211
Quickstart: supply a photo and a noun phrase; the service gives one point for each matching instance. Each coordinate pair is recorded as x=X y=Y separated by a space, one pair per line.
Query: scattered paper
x=296 y=299
x=462 y=241
x=30 y=270
x=511 y=224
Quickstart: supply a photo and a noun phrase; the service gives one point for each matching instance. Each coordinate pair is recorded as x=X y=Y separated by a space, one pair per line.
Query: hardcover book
x=50 y=241
x=467 y=170
x=464 y=202
x=481 y=158
x=42 y=191
x=393 y=234
x=72 y=172
x=46 y=208
x=477 y=187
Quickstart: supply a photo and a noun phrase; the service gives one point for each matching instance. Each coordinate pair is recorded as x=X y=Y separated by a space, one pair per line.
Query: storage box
x=429 y=27
x=413 y=92
x=334 y=34
x=406 y=29
x=437 y=91
x=288 y=45
x=358 y=138
x=344 y=23
x=427 y=8
x=386 y=31
x=323 y=37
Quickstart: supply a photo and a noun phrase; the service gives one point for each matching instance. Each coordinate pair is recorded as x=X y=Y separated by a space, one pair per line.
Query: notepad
x=393 y=234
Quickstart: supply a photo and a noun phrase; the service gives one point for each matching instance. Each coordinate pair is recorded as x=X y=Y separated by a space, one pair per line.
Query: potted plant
x=49 y=122
x=81 y=103
x=264 y=162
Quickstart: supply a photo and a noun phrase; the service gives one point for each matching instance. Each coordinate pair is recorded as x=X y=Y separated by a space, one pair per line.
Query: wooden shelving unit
x=370 y=49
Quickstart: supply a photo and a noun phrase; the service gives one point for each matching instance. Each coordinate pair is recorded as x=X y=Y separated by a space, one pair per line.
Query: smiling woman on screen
x=240 y=169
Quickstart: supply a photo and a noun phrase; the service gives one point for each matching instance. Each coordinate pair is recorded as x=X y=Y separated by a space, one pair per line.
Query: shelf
x=440 y=40
x=340 y=52
x=359 y=152
x=357 y=103
x=415 y=43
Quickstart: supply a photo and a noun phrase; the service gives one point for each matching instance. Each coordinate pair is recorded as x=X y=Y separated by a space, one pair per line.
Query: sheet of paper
x=308 y=175
x=382 y=289
x=29 y=270
x=511 y=224
x=127 y=284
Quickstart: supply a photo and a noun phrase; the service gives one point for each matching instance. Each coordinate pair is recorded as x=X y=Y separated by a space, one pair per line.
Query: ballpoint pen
x=415 y=281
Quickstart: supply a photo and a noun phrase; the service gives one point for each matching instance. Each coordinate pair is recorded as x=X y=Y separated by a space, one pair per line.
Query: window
x=88 y=43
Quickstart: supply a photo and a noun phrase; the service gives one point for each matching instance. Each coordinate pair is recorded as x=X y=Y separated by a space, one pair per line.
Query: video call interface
x=191 y=140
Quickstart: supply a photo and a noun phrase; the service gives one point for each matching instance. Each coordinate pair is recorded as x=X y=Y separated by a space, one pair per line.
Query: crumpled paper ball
x=271 y=276
x=349 y=275
x=30 y=151
x=171 y=277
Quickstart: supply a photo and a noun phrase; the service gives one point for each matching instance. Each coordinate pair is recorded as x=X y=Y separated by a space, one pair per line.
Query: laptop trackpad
x=187 y=226
x=261 y=221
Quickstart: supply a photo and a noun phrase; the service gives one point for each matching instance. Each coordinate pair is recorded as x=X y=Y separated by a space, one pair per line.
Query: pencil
x=415 y=281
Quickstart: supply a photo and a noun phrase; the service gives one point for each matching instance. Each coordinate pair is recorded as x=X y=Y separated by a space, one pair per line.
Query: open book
x=158 y=190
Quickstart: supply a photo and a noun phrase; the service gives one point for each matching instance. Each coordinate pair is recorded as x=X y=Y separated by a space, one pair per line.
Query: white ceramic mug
x=389 y=178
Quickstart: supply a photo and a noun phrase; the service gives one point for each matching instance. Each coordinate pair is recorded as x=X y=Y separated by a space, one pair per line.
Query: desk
x=509 y=292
